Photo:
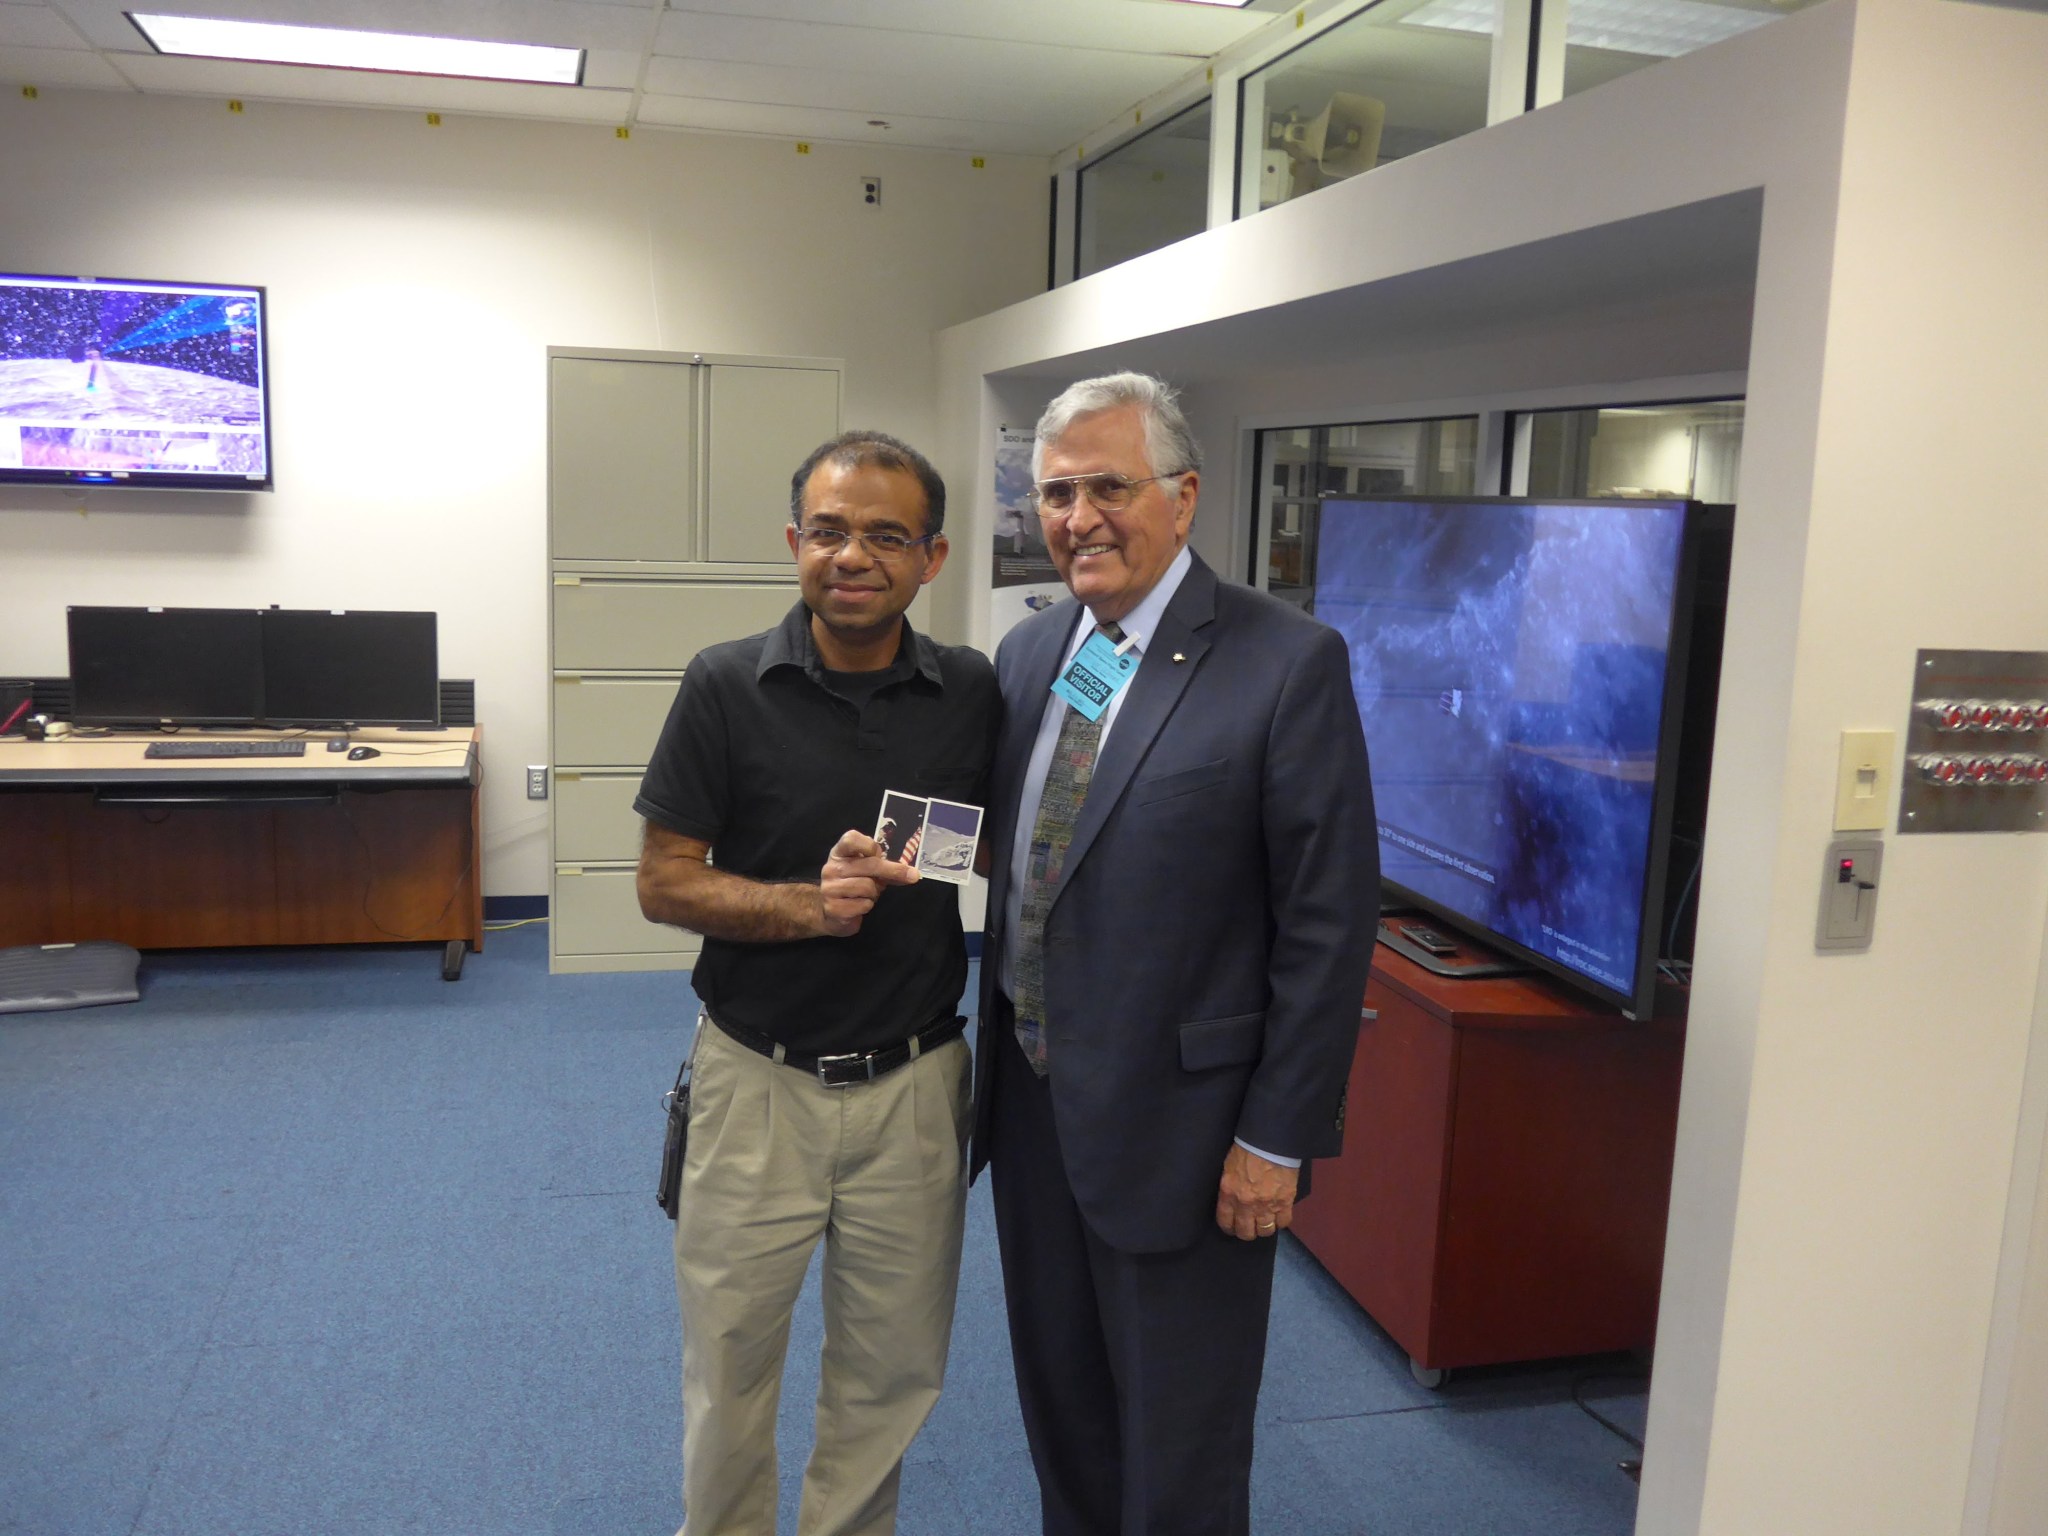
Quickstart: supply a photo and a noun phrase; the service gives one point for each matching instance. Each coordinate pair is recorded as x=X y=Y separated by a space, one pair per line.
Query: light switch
x=1848 y=893
x=1863 y=782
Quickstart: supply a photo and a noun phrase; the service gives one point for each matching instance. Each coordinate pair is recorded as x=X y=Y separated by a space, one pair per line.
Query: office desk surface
x=99 y=842
x=405 y=757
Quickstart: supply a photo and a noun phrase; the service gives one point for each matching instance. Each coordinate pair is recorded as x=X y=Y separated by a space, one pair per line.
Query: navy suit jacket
x=1206 y=952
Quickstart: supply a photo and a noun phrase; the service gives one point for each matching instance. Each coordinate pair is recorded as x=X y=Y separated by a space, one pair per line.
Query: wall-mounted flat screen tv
x=1520 y=667
x=108 y=381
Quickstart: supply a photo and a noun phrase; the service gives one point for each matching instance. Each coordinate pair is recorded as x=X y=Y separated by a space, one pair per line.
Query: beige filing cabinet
x=668 y=489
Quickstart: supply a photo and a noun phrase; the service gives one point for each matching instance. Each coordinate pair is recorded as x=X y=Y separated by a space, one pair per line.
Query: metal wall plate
x=1977 y=743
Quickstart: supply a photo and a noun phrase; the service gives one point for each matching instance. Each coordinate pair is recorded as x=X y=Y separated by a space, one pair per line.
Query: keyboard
x=292 y=748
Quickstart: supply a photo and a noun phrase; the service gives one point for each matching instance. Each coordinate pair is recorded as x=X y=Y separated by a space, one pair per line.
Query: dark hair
x=853 y=450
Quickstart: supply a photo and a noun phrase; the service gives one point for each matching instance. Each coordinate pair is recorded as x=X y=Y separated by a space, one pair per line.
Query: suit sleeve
x=1322 y=884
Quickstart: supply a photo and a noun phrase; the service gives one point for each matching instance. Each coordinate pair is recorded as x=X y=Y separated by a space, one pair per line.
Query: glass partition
x=1147 y=193
x=1299 y=466
x=1604 y=39
x=1393 y=80
x=1692 y=449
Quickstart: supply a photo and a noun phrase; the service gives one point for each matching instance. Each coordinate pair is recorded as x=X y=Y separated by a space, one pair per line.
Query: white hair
x=1169 y=441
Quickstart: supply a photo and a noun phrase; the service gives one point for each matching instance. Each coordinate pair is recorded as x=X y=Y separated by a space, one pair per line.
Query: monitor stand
x=1465 y=962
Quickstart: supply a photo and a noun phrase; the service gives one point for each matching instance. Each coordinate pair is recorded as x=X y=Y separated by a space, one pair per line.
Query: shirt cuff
x=1271 y=1157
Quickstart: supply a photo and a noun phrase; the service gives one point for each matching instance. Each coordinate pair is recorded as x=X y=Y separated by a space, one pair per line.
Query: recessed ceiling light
x=336 y=48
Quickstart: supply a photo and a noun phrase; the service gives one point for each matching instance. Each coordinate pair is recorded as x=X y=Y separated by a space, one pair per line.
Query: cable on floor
x=1631 y=1466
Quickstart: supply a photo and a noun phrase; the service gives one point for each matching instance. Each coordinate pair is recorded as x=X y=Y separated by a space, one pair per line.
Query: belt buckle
x=845 y=1070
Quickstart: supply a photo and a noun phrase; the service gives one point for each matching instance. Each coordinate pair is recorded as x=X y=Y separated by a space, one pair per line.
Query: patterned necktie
x=1059 y=807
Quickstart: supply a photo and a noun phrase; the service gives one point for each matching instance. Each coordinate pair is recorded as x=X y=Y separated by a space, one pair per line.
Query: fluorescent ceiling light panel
x=334 y=48
x=1664 y=29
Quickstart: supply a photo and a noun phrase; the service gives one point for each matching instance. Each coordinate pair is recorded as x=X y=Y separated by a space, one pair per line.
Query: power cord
x=1631 y=1466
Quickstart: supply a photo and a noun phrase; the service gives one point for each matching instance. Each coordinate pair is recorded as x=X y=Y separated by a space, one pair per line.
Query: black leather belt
x=843 y=1071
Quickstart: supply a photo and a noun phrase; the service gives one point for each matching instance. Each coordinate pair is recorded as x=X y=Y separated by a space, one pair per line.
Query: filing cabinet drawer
x=610 y=624
x=597 y=912
x=609 y=722
x=594 y=816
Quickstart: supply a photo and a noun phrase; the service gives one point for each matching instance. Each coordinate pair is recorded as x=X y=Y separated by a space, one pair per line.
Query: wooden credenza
x=1506 y=1170
x=99 y=842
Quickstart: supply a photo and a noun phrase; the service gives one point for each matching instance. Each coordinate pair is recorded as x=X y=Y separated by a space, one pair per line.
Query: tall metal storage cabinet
x=668 y=488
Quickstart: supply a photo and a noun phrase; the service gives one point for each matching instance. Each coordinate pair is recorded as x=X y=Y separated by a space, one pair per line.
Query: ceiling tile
x=837 y=127
x=1152 y=26
x=36 y=26
x=813 y=45
x=59 y=67
x=1059 y=107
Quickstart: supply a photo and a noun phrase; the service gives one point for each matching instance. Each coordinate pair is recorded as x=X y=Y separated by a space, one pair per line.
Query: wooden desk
x=99 y=842
x=1506 y=1170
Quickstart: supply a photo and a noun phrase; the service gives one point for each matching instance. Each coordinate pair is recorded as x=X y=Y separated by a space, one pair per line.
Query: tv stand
x=1466 y=963
x=1506 y=1169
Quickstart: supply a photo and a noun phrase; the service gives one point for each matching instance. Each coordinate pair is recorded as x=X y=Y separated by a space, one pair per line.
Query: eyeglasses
x=881 y=546
x=1056 y=499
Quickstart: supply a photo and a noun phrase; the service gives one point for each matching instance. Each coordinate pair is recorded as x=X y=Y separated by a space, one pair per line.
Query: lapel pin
x=1178 y=657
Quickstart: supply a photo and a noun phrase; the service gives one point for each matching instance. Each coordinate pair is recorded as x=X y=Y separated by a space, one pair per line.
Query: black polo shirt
x=761 y=759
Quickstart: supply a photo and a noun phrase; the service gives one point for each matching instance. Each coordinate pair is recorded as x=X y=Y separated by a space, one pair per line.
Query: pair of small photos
x=936 y=837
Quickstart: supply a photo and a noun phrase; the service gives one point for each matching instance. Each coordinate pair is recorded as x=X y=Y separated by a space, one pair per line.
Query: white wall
x=1883 y=1101
x=416 y=277
x=1850 y=1123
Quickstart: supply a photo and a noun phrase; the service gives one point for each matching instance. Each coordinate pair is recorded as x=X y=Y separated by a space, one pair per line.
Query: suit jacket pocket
x=1206 y=1043
x=1184 y=781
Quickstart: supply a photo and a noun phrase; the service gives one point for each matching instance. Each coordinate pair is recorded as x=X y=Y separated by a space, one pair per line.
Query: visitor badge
x=1095 y=674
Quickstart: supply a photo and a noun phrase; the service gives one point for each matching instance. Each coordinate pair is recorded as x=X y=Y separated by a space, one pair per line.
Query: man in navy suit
x=1182 y=909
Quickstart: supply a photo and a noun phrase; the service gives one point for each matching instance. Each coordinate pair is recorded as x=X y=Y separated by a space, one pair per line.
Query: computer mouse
x=357 y=754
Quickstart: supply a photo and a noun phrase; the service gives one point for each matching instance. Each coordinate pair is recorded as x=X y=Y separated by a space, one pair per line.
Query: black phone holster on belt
x=668 y=1193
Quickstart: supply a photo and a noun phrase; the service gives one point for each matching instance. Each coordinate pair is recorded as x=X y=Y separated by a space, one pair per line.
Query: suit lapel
x=1155 y=692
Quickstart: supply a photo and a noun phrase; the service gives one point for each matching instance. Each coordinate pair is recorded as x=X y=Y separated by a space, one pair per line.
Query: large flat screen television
x=108 y=381
x=165 y=666
x=359 y=667
x=1520 y=666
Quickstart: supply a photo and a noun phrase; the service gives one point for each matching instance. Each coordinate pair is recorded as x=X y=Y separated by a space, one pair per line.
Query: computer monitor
x=152 y=666
x=358 y=667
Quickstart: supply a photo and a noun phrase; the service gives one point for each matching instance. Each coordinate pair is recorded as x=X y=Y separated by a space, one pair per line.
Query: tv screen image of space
x=1509 y=662
x=130 y=379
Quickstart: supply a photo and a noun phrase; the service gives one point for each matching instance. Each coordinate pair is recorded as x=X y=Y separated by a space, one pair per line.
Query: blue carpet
x=311 y=1239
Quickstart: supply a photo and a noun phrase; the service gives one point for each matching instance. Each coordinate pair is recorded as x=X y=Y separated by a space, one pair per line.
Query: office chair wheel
x=452 y=956
x=1430 y=1377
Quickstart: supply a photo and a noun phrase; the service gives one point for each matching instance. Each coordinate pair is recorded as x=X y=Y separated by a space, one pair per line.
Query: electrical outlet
x=536 y=781
x=871 y=191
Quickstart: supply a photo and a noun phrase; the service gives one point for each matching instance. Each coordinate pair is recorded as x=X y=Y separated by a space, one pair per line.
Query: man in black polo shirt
x=830 y=1087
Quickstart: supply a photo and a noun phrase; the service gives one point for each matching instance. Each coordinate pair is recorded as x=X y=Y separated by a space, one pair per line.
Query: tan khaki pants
x=776 y=1160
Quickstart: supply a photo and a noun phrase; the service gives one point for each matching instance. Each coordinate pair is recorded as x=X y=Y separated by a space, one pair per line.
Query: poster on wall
x=1021 y=574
